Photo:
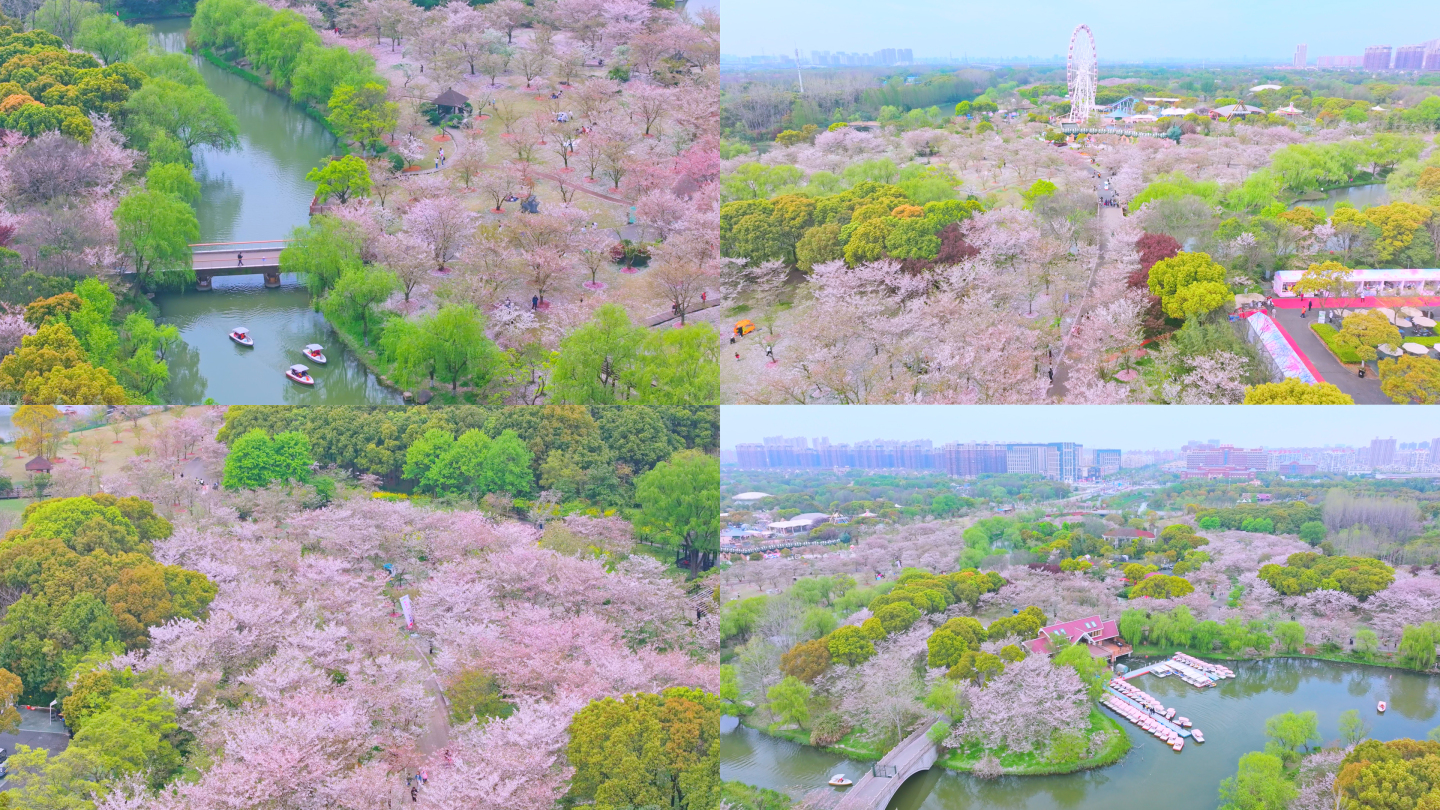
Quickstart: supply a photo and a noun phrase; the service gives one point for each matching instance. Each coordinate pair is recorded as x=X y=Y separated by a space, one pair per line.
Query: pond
x=1362 y=196
x=256 y=192
x=1232 y=715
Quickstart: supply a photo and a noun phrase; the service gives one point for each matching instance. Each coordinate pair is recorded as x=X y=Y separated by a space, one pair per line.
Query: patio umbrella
x=1410 y=312
x=1388 y=350
x=1421 y=320
x=1403 y=323
x=1387 y=312
x=1416 y=348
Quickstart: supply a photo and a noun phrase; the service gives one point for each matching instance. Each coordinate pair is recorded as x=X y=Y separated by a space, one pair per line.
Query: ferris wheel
x=1081 y=72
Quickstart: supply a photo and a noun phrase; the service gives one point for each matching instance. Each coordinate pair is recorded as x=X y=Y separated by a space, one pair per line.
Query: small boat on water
x=1381 y=707
x=241 y=335
x=300 y=374
x=1195 y=732
x=1169 y=713
x=1183 y=722
x=1178 y=745
x=315 y=352
x=839 y=780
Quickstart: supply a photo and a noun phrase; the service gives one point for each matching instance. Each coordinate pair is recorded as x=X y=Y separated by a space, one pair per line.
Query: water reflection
x=256 y=192
x=1232 y=716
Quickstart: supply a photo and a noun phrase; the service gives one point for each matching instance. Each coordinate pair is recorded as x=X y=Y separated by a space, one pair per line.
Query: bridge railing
x=885 y=771
x=220 y=248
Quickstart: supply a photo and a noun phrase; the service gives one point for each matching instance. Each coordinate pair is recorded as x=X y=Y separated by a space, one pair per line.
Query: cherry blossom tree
x=443 y=225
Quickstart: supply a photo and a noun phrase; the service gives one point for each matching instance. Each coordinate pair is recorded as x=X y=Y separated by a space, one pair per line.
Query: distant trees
x=1360 y=577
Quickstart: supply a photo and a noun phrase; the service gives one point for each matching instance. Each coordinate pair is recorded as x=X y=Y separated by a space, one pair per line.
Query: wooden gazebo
x=450 y=101
x=39 y=464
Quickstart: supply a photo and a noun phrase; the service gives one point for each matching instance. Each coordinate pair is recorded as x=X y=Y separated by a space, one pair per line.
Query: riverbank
x=1379 y=659
x=963 y=760
x=1029 y=763
x=853 y=745
x=269 y=86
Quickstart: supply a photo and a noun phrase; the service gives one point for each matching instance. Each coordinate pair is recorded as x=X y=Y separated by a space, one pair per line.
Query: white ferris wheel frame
x=1082 y=70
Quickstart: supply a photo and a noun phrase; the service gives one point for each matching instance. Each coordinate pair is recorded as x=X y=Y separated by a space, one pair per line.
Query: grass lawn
x=1032 y=764
x=1327 y=335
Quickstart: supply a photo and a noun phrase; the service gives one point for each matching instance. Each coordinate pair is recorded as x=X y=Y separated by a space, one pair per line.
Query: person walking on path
x=534 y=302
x=240 y=259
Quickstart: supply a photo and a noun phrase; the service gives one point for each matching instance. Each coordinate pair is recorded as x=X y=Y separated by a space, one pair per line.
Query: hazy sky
x=1134 y=427
x=1153 y=29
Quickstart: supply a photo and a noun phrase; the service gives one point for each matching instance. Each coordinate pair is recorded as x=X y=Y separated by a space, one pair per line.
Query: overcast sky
x=1154 y=29
x=1132 y=427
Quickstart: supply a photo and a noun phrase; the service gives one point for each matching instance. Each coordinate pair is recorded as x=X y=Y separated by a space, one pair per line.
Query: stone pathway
x=1364 y=392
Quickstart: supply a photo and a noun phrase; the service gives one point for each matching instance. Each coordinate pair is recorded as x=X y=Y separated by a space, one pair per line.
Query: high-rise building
x=1382 y=452
x=1435 y=451
x=1338 y=61
x=1199 y=457
x=1377 y=57
x=1300 y=55
x=970 y=459
x=1410 y=57
x=905 y=56
x=1108 y=461
x=1432 y=60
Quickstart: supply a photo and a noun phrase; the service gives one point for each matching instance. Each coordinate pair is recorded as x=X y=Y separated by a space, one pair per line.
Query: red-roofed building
x=1102 y=637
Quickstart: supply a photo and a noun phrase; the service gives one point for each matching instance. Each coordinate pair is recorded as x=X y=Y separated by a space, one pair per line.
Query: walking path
x=668 y=317
x=1364 y=392
x=1109 y=217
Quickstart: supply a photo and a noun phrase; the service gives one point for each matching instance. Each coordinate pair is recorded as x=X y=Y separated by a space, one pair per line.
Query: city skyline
x=1137 y=427
x=1265 y=31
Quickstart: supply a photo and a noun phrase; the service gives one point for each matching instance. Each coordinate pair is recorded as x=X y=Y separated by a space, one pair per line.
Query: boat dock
x=1183 y=732
x=1188 y=673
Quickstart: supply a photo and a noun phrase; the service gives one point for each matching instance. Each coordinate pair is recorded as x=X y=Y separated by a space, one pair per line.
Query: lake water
x=1358 y=196
x=253 y=193
x=1232 y=716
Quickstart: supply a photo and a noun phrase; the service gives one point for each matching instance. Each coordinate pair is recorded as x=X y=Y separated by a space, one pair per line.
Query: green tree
x=1188 y=283
x=680 y=506
x=255 y=460
x=111 y=40
x=450 y=344
x=1363 y=331
x=190 y=114
x=597 y=362
x=321 y=70
x=1312 y=532
x=1411 y=380
x=1289 y=733
x=1366 y=642
x=322 y=252
x=1417 y=647
x=790 y=700
x=363 y=113
x=174 y=179
x=1259 y=784
x=1094 y=672
x=341 y=178
x=648 y=751
x=357 y=294
x=1291 y=636
x=1353 y=728
x=154 y=231
x=1132 y=625
x=1291 y=391
x=850 y=645
x=474 y=694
